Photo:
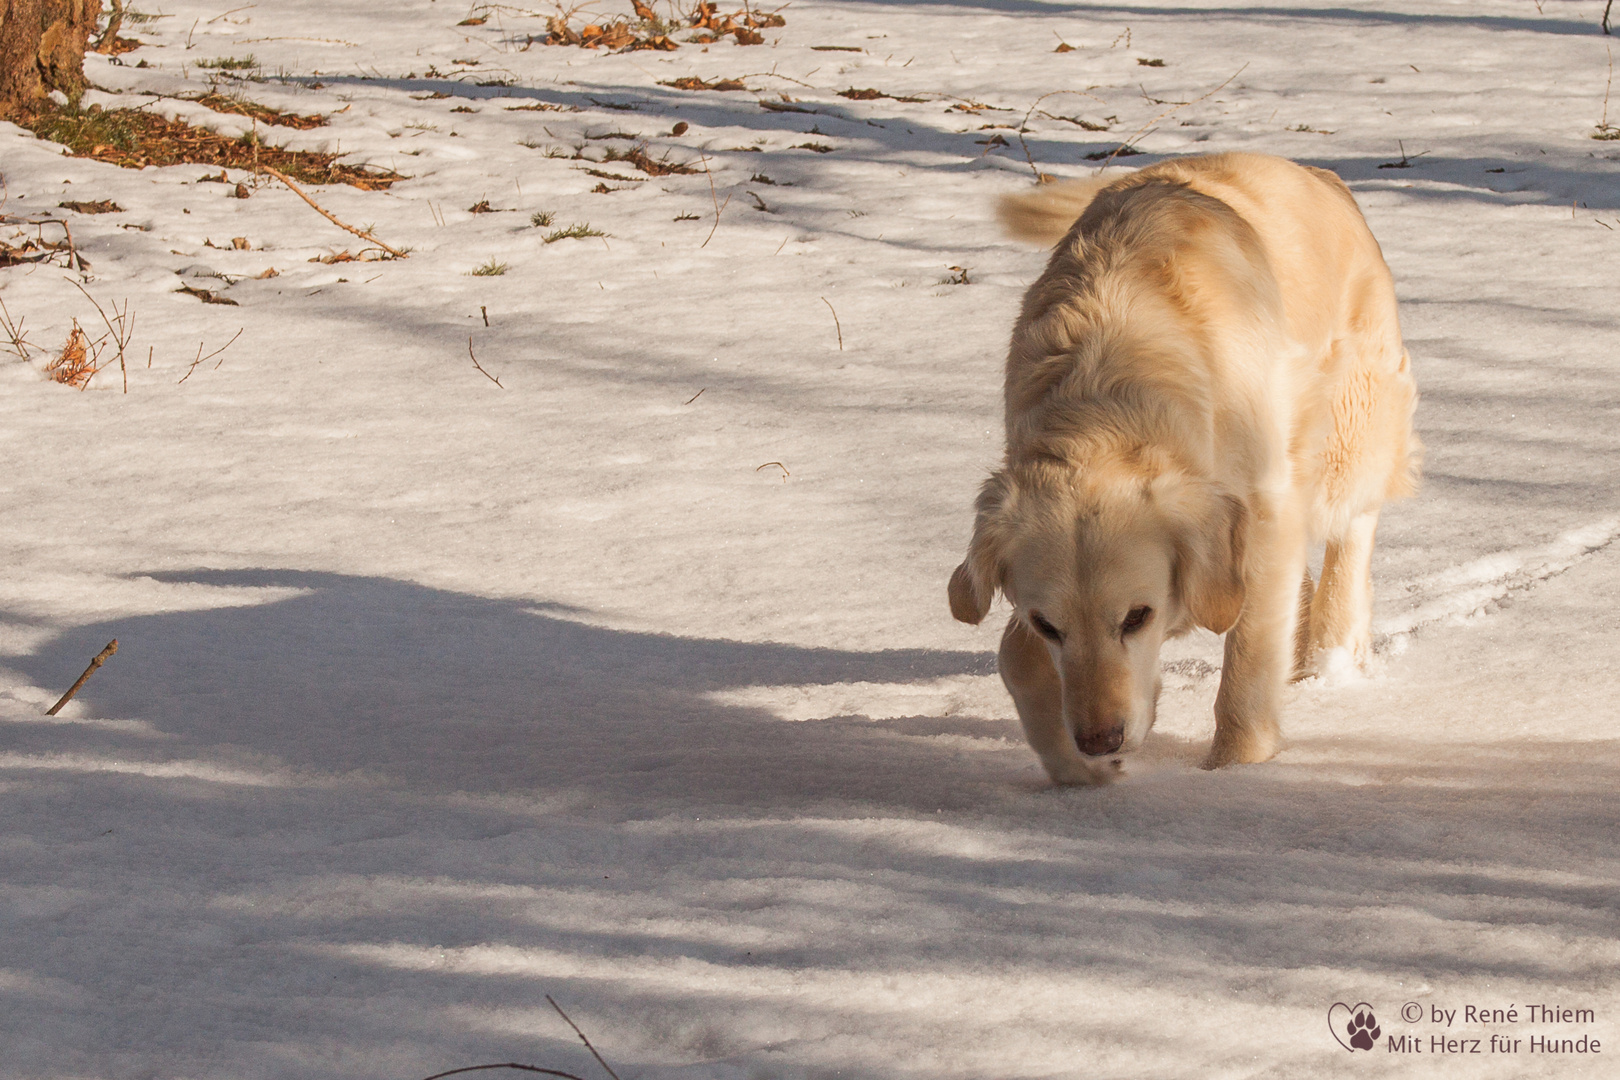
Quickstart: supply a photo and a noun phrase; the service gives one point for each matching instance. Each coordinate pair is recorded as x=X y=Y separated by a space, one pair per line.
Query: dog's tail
x=1043 y=215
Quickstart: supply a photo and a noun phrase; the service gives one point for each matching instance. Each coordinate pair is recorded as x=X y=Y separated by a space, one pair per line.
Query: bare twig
x=718 y=205
x=1025 y=125
x=479 y=366
x=779 y=465
x=121 y=333
x=694 y=397
x=16 y=337
x=1168 y=112
x=506 y=1065
x=774 y=75
x=74 y=258
x=1606 y=8
x=836 y=325
x=296 y=190
x=100 y=658
x=204 y=359
x=582 y=1038
x=233 y=11
x=1603 y=124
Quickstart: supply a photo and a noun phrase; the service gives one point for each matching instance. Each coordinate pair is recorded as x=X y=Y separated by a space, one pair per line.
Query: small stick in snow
x=485 y=311
x=718 y=205
x=506 y=1065
x=74 y=258
x=582 y=1038
x=1144 y=128
x=836 y=325
x=101 y=658
x=120 y=334
x=1603 y=124
x=1040 y=177
x=201 y=358
x=298 y=191
x=18 y=338
x=694 y=397
x=779 y=465
x=479 y=366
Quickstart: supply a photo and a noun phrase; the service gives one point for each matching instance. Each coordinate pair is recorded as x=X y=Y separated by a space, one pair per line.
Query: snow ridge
x=1478 y=588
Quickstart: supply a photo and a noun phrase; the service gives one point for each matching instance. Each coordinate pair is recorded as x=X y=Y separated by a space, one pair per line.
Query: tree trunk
x=42 y=45
x=107 y=43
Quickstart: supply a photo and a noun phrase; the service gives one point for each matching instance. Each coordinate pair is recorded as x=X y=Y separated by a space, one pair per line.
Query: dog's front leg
x=1037 y=690
x=1260 y=645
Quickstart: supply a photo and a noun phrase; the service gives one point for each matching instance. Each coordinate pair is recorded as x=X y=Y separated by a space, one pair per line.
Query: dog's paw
x=1242 y=747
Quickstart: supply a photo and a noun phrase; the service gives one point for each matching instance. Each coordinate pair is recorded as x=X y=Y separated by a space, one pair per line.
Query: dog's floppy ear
x=1210 y=527
x=973 y=584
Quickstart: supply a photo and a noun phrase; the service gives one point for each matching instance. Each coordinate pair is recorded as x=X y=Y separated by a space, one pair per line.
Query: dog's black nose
x=1102 y=741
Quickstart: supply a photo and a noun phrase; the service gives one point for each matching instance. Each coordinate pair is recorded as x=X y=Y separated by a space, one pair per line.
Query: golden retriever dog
x=1207 y=379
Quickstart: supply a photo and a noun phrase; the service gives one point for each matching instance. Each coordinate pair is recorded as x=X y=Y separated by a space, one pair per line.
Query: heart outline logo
x=1358 y=1023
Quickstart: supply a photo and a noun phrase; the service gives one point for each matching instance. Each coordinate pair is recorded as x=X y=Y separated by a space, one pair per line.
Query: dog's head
x=1103 y=566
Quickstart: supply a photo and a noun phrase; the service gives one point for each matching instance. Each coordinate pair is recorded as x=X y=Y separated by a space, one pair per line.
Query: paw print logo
x=1354 y=1027
x=1363 y=1029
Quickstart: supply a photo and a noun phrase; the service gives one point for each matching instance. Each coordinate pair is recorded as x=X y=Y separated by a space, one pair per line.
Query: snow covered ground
x=436 y=696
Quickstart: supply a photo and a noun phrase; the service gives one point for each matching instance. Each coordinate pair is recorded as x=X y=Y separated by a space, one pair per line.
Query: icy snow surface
x=436 y=696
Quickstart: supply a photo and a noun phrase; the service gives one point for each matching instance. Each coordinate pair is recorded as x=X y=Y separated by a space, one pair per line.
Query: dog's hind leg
x=1302 y=627
x=1037 y=690
x=1341 y=613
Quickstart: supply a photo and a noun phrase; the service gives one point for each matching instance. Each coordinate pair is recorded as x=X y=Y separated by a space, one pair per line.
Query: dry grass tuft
x=646 y=30
x=76 y=365
x=651 y=166
x=207 y=296
x=264 y=114
x=539 y=106
x=1123 y=151
x=33 y=250
x=230 y=63
x=134 y=140
x=578 y=231
x=100 y=206
x=489 y=269
x=692 y=82
x=870 y=94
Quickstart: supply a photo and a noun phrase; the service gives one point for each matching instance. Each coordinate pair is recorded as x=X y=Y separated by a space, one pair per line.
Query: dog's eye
x=1136 y=619
x=1046 y=629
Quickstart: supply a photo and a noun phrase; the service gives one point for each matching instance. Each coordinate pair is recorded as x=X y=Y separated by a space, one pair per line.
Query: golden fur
x=1207 y=378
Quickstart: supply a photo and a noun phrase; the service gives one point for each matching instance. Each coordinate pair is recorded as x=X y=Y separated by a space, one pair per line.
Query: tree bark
x=107 y=43
x=42 y=45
